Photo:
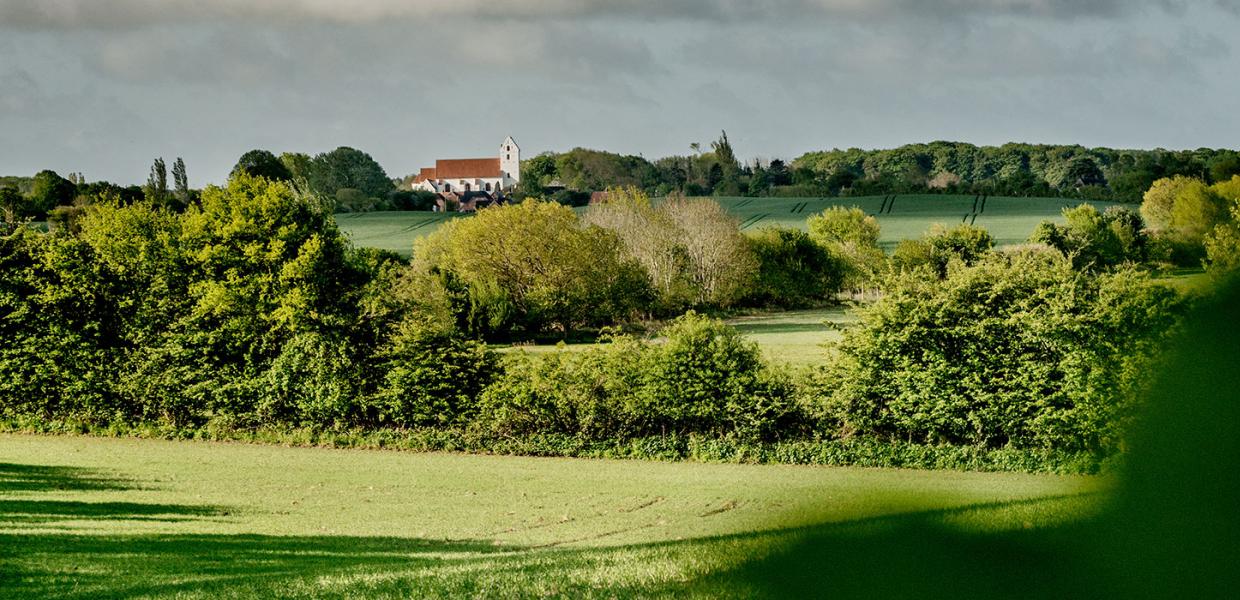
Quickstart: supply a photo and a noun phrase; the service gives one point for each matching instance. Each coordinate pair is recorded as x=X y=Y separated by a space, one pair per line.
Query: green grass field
x=394 y=230
x=95 y=517
x=1009 y=220
x=793 y=337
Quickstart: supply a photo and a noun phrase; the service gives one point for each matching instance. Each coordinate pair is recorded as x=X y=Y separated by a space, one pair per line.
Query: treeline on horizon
x=354 y=182
x=1030 y=170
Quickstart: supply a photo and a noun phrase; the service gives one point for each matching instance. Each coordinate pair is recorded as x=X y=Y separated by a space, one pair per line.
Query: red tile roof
x=467 y=168
x=427 y=173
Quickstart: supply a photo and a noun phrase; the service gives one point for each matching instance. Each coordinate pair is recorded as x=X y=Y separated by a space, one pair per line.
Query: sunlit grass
x=89 y=517
x=794 y=337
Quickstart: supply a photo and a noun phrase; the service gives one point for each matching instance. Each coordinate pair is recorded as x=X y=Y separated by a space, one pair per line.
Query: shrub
x=792 y=270
x=312 y=382
x=705 y=378
x=1020 y=350
x=431 y=377
x=940 y=246
x=852 y=236
x=590 y=394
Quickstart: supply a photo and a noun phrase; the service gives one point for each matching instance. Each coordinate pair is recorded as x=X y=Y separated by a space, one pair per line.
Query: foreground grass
x=88 y=517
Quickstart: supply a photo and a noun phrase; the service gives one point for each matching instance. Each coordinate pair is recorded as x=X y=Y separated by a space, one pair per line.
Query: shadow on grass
x=100 y=566
x=48 y=511
x=41 y=478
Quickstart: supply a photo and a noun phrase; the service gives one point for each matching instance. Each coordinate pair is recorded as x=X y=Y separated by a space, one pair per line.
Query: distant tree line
x=1030 y=170
x=346 y=177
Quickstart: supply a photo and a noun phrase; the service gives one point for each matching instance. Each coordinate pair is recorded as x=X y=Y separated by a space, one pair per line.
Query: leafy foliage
x=792 y=269
x=1021 y=350
x=940 y=247
x=1095 y=240
x=851 y=236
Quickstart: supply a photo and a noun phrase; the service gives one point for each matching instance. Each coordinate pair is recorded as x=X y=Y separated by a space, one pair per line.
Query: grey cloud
x=136 y=14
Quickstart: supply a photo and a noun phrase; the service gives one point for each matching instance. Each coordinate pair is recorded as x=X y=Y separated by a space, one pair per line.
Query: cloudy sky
x=105 y=86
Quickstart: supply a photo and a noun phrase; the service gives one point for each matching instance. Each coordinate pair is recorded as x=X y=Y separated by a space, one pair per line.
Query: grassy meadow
x=85 y=517
x=793 y=337
x=1009 y=220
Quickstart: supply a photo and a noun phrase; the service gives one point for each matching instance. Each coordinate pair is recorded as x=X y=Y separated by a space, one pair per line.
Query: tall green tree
x=47 y=191
x=12 y=204
x=180 y=182
x=261 y=163
x=157 y=183
x=348 y=168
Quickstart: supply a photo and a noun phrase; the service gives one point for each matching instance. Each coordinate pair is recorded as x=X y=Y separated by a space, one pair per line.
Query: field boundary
x=867 y=453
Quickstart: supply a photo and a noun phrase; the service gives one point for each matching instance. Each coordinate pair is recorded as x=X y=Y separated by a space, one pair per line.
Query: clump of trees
x=1011 y=170
x=1097 y=240
x=940 y=247
x=1186 y=216
x=1019 y=350
x=347 y=177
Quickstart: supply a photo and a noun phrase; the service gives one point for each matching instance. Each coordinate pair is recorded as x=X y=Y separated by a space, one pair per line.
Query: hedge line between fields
x=691 y=447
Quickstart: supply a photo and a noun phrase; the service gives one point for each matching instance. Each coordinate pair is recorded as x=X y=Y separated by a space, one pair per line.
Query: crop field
x=85 y=517
x=391 y=230
x=1009 y=220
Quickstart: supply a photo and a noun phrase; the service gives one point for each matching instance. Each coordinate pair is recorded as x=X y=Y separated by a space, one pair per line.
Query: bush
x=940 y=246
x=313 y=382
x=851 y=236
x=705 y=378
x=589 y=394
x=431 y=377
x=793 y=271
x=1020 y=350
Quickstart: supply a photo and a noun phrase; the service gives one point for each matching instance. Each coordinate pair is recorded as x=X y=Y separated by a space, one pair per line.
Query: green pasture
x=791 y=337
x=88 y=517
x=1009 y=220
x=390 y=230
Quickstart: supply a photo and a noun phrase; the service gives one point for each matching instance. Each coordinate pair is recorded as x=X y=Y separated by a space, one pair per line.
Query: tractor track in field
x=751 y=221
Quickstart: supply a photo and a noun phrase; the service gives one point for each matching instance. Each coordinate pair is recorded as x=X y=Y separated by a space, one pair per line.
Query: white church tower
x=510 y=162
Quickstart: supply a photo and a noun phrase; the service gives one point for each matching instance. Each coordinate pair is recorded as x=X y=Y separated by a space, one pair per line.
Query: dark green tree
x=47 y=191
x=348 y=168
x=261 y=163
x=180 y=182
x=157 y=183
x=12 y=204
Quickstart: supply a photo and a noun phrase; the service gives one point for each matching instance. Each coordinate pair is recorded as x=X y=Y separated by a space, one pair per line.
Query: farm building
x=463 y=176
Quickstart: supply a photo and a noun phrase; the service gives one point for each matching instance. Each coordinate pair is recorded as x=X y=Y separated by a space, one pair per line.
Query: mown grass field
x=791 y=337
x=1009 y=220
x=95 y=517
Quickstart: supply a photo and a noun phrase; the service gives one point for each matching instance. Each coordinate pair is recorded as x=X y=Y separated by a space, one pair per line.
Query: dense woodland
x=1035 y=170
x=242 y=307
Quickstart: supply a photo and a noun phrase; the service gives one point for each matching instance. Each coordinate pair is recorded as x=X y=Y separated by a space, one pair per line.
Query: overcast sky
x=105 y=86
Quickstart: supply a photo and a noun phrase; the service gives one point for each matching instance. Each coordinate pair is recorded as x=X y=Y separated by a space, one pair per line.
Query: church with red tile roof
x=463 y=175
